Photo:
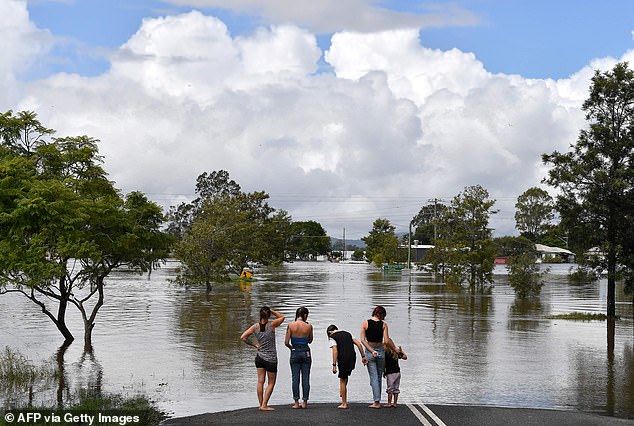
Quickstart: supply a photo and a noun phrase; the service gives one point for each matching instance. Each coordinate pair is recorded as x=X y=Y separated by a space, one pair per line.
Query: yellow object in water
x=246 y=274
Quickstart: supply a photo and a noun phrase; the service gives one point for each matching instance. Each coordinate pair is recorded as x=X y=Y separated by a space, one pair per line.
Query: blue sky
x=533 y=38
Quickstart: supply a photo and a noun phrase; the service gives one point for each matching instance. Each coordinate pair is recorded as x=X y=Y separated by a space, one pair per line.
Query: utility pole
x=409 y=247
x=343 y=256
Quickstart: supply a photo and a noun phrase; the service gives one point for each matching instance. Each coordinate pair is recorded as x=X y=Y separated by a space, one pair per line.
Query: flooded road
x=181 y=346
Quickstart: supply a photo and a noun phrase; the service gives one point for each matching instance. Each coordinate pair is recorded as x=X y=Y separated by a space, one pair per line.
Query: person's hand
x=257 y=346
x=375 y=354
x=364 y=361
x=334 y=369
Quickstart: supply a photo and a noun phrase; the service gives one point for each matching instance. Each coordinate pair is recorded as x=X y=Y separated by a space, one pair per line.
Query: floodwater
x=181 y=347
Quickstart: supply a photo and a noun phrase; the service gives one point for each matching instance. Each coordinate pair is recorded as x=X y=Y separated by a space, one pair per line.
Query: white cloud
x=327 y=16
x=21 y=43
x=395 y=125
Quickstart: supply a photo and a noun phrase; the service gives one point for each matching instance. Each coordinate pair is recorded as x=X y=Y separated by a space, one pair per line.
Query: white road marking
x=418 y=415
x=432 y=415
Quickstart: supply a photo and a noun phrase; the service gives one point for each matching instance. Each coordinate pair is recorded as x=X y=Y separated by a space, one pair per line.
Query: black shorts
x=267 y=365
x=344 y=374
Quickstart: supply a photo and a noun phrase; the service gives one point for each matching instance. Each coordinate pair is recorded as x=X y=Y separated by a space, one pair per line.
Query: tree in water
x=230 y=230
x=464 y=249
x=596 y=177
x=381 y=243
x=64 y=227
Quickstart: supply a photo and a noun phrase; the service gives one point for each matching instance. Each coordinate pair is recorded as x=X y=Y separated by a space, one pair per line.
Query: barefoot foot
x=267 y=408
x=375 y=405
x=344 y=406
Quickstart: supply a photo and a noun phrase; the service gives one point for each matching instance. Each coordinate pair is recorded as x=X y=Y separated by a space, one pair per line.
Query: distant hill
x=337 y=243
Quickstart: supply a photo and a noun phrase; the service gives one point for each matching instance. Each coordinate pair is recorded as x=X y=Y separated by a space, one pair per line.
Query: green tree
x=229 y=232
x=596 y=177
x=464 y=249
x=208 y=187
x=63 y=225
x=381 y=243
x=425 y=222
x=534 y=212
x=308 y=240
x=524 y=274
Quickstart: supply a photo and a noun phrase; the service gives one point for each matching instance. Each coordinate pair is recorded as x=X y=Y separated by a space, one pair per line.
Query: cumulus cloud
x=328 y=16
x=395 y=123
x=22 y=45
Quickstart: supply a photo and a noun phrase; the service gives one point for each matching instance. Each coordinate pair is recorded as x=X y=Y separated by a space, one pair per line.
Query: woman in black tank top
x=374 y=333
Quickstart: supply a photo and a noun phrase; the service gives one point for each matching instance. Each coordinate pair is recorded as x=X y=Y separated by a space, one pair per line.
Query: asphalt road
x=406 y=414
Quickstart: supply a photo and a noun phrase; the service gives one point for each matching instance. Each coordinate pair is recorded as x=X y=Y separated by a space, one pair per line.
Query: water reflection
x=181 y=346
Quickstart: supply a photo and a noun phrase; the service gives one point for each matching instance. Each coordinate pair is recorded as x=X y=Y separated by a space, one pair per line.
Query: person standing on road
x=374 y=333
x=342 y=344
x=266 y=358
x=298 y=335
x=392 y=373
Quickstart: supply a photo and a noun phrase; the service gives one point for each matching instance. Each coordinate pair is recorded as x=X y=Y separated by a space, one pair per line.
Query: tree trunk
x=61 y=323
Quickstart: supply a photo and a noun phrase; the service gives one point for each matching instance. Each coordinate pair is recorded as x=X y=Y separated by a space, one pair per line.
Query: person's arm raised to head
x=279 y=318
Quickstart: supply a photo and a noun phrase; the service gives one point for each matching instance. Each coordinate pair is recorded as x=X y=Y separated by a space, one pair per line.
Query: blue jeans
x=300 y=363
x=375 y=370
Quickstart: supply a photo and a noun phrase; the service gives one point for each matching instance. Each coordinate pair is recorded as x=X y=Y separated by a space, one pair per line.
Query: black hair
x=330 y=328
x=265 y=313
x=302 y=312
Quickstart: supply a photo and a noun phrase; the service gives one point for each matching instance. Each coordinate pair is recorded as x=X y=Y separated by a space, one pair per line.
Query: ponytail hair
x=265 y=313
x=379 y=312
x=302 y=312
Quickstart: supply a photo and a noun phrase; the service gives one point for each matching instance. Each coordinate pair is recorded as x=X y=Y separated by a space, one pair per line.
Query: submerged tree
x=381 y=243
x=464 y=249
x=229 y=232
x=596 y=177
x=63 y=225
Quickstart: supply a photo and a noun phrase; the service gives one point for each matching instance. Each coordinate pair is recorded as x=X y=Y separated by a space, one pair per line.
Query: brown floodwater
x=181 y=347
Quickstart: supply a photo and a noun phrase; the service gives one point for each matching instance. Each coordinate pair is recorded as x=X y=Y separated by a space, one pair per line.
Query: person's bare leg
x=260 y=388
x=343 y=391
x=268 y=391
x=389 y=400
x=395 y=399
x=296 y=404
x=304 y=404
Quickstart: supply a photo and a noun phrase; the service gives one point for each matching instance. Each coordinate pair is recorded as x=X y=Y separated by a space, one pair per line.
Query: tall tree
x=425 y=222
x=209 y=186
x=229 y=232
x=534 y=212
x=307 y=240
x=381 y=243
x=596 y=177
x=464 y=247
x=63 y=225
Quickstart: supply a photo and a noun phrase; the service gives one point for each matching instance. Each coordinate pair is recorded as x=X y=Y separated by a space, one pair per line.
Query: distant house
x=545 y=252
x=418 y=251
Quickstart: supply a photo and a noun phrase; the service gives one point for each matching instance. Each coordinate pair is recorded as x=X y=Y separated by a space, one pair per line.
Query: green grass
x=17 y=370
x=580 y=316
